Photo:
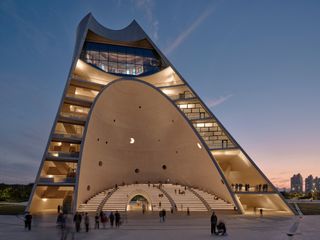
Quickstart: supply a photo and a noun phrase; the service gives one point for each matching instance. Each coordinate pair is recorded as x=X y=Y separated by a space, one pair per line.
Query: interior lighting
x=199 y=145
x=44 y=199
x=132 y=140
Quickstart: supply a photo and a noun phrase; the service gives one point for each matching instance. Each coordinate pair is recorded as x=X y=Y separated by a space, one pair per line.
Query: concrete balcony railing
x=63 y=154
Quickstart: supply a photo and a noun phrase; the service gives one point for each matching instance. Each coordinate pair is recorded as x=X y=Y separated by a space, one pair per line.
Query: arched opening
x=138 y=203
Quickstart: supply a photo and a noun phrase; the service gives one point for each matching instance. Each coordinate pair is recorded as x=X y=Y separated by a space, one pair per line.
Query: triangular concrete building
x=127 y=123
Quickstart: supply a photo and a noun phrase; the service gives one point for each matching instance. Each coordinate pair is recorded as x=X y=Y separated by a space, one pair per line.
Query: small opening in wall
x=98 y=139
x=139 y=107
x=176 y=151
x=164 y=167
x=172 y=120
x=158 y=140
x=114 y=120
x=106 y=142
x=88 y=188
x=137 y=170
x=100 y=163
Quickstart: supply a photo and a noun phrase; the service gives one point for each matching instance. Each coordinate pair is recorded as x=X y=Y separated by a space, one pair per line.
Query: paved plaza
x=184 y=227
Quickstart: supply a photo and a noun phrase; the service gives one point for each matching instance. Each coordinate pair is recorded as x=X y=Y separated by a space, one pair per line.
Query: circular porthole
x=139 y=107
x=106 y=142
x=88 y=188
x=114 y=120
x=137 y=170
x=100 y=163
x=164 y=167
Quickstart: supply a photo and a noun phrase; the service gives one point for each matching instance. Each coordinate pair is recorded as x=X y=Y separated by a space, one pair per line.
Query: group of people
x=217 y=228
x=102 y=217
x=238 y=187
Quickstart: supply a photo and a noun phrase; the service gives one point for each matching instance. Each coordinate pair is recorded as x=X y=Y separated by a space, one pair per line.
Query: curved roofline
x=131 y=33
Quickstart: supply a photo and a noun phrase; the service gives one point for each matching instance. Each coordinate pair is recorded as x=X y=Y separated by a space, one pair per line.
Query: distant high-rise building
x=296 y=183
x=316 y=184
x=309 y=184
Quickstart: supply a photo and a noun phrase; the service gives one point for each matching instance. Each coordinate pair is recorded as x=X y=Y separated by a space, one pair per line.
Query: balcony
x=73 y=118
x=56 y=181
x=89 y=84
x=66 y=137
x=63 y=156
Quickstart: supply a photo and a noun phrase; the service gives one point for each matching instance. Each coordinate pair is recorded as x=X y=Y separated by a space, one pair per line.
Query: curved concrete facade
x=132 y=109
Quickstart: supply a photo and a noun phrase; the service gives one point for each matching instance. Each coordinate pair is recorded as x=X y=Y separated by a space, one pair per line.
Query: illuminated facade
x=127 y=116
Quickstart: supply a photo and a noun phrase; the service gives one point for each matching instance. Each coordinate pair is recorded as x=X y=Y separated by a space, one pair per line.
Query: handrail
x=205 y=203
x=105 y=199
x=173 y=204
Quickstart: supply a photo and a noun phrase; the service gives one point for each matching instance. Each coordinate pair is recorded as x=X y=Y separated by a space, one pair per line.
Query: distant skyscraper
x=296 y=183
x=316 y=184
x=309 y=184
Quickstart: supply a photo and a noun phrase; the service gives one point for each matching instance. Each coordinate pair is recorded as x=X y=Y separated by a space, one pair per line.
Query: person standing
x=163 y=215
x=86 y=222
x=111 y=217
x=160 y=215
x=96 y=221
x=77 y=221
x=261 y=212
x=117 y=217
x=28 y=220
x=188 y=211
x=213 y=221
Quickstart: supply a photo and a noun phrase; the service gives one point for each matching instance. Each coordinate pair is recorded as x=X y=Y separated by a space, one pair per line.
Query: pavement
x=177 y=226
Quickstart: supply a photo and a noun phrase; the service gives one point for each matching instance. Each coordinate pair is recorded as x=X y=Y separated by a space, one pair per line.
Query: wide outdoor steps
x=120 y=198
x=213 y=201
x=185 y=199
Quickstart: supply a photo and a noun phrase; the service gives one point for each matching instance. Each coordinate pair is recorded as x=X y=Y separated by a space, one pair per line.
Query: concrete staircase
x=186 y=200
x=214 y=202
x=93 y=203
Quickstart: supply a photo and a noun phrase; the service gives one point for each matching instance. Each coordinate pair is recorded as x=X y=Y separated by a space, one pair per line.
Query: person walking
x=77 y=221
x=117 y=217
x=213 y=221
x=28 y=220
x=111 y=217
x=163 y=215
x=96 y=221
x=86 y=222
x=160 y=215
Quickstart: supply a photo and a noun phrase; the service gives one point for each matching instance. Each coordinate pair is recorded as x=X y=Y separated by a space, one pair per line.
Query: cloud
x=211 y=103
x=147 y=6
x=177 y=42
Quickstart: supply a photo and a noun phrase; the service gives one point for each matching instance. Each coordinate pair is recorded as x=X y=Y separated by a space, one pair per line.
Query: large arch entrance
x=139 y=203
x=135 y=134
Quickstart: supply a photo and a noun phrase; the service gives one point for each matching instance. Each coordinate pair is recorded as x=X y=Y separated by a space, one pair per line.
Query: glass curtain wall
x=121 y=60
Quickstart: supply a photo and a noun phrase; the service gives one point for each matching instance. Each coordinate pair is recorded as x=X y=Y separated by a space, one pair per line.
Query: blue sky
x=255 y=63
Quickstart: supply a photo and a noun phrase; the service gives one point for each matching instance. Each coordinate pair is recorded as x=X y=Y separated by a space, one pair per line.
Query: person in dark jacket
x=77 y=221
x=28 y=220
x=213 y=221
x=111 y=217
x=117 y=218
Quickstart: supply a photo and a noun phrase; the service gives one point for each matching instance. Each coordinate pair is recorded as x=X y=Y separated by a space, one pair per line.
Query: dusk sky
x=255 y=63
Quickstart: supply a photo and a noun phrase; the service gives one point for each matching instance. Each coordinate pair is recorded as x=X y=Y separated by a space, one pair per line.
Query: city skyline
x=260 y=74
